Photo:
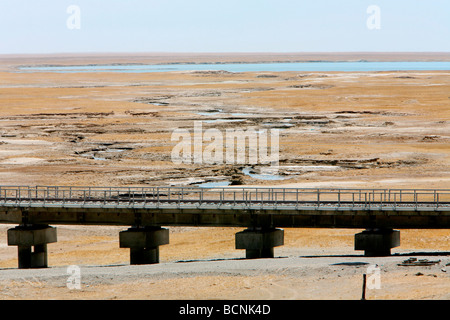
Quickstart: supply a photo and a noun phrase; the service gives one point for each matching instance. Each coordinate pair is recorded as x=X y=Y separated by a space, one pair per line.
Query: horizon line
x=217 y=52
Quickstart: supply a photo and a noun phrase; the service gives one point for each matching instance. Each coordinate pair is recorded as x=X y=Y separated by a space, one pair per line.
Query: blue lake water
x=254 y=67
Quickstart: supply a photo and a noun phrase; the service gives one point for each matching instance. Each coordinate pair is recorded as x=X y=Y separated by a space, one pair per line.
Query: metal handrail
x=249 y=197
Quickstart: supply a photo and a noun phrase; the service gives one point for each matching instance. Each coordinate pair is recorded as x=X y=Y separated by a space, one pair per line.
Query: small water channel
x=214 y=184
x=324 y=66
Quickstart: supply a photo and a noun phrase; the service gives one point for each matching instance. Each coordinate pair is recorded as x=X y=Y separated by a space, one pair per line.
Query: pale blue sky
x=39 y=26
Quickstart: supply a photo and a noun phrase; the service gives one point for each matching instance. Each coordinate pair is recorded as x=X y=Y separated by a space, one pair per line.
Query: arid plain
x=337 y=129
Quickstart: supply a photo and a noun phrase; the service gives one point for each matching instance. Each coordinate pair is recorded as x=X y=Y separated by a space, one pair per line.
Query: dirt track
x=201 y=263
x=338 y=277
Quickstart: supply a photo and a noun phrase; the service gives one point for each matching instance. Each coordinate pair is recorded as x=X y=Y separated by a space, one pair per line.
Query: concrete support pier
x=144 y=243
x=259 y=243
x=32 y=241
x=377 y=242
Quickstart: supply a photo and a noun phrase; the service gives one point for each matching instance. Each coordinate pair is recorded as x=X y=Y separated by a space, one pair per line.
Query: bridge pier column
x=259 y=243
x=32 y=241
x=144 y=243
x=377 y=242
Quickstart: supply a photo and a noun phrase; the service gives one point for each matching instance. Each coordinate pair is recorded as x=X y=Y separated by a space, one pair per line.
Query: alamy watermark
x=373 y=277
x=74 y=280
x=74 y=19
x=373 y=22
x=235 y=146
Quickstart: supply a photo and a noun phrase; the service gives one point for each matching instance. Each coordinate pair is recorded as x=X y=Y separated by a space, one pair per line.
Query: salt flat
x=362 y=129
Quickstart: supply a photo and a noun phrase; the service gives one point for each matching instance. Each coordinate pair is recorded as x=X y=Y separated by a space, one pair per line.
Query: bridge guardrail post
x=262 y=199
x=365 y=200
x=434 y=196
x=157 y=196
x=395 y=201
x=437 y=201
x=415 y=198
x=339 y=198
x=381 y=200
x=318 y=198
x=249 y=204
x=353 y=200
x=145 y=196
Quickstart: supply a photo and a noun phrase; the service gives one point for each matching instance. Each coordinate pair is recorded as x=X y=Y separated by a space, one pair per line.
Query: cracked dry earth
x=337 y=129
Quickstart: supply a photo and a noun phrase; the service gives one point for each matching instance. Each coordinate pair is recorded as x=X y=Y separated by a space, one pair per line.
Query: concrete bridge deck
x=263 y=211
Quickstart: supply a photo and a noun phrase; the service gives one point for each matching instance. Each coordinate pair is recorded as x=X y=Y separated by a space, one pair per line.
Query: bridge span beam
x=31 y=241
x=259 y=242
x=144 y=243
x=377 y=242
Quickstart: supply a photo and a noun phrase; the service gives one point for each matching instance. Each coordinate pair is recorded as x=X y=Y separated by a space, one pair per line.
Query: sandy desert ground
x=337 y=129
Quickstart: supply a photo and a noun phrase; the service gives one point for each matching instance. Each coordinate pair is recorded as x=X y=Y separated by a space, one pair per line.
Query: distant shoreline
x=10 y=62
x=306 y=66
x=238 y=57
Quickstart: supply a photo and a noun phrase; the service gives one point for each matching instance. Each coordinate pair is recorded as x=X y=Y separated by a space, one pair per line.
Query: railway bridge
x=264 y=212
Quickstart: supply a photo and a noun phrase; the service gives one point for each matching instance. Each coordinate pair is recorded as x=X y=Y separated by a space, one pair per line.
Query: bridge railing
x=226 y=196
